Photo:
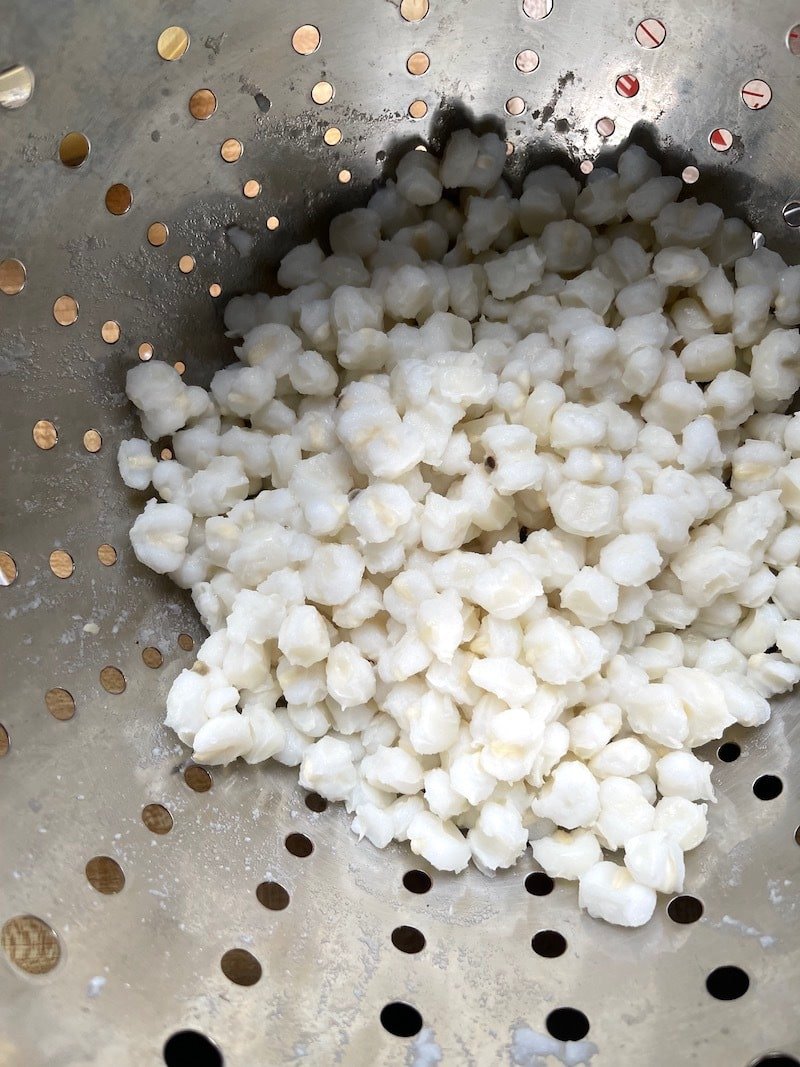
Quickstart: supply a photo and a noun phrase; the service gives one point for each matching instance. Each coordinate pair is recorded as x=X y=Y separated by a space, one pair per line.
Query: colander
x=158 y=912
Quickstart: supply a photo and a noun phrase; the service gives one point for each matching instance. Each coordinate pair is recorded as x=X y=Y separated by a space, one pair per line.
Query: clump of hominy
x=496 y=518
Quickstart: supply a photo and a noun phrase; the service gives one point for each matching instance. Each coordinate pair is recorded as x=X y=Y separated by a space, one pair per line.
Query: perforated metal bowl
x=111 y=257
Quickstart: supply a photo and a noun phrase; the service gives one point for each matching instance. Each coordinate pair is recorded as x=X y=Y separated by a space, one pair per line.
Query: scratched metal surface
x=137 y=966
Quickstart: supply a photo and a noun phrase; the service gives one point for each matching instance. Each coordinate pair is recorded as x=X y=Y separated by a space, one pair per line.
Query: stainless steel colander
x=169 y=154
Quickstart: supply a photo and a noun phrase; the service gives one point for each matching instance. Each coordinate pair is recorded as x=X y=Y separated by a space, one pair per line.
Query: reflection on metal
x=16 y=86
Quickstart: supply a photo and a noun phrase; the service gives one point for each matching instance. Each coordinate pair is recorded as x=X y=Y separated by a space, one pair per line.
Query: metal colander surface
x=142 y=896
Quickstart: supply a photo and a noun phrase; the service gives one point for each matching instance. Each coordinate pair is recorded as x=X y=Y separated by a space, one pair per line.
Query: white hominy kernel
x=591 y=289
x=625 y=758
x=373 y=822
x=417 y=178
x=244 y=313
x=504 y=677
x=585 y=510
x=756 y=632
x=680 y=774
x=648 y=787
x=378 y=511
x=601 y=201
x=680 y=266
x=300 y=265
x=761 y=267
x=756 y=590
x=246 y=665
x=488 y=164
x=784 y=551
x=498 y=837
x=687 y=223
x=218 y=487
x=440 y=796
x=242 y=391
x=333 y=574
x=312 y=375
x=586 y=465
x=591 y=596
x=567 y=246
x=485 y=220
x=567 y=854
x=787 y=592
x=774 y=370
x=706 y=573
x=294 y=745
x=303 y=637
x=453 y=678
x=516 y=466
x=222 y=739
x=406 y=592
x=691 y=321
x=165 y=403
x=349 y=676
x=645 y=203
x=439 y=842
x=301 y=685
x=624 y=812
x=560 y=654
x=194 y=697
x=197 y=445
x=266 y=733
x=409 y=656
x=787 y=300
x=658 y=653
x=505 y=589
x=751 y=305
x=630 y=559
x=674 y=405
x=327 y=768
x=700 y=449
x=771 y=674
x=575 y=426
x=310 y=719
x=402 y=812
x=608 y=891
x=756 y=466
x=635 y=167
x=656 y=711
x=591 y=730
x=655 y=859
x=468 y=778
x=706 y=357
x=160 y=536
x=250 y=447
x=703 y=701
x=539 y=206
x=787 y=638
x=393 y=770
x=642 y=370
x=459 y=159
x=440 y=624
x=570 y=798
x=514 y=740
x=393 y=209
x=136 y=463
x=355 y=233
x=514 y=272
x=433 y=724
x=682 y=820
